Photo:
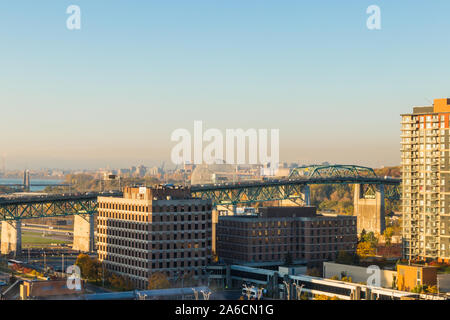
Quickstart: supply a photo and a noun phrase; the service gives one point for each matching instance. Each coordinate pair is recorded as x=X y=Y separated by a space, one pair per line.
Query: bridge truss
x=21 y=209
x=294 y=188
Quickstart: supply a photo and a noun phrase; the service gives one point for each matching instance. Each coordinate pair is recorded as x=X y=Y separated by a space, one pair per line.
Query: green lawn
x=32 y=239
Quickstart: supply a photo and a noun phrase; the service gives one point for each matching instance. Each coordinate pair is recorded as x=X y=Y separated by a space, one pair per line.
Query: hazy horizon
x=112 y=93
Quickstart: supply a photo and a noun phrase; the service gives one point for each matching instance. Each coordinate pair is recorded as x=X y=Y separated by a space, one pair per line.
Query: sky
x=111 y=93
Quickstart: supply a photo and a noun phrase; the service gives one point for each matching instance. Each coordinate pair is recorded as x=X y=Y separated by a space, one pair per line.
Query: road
x=48 y=230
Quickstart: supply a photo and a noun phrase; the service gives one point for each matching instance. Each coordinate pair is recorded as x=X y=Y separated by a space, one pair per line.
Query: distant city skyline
x=112 y=92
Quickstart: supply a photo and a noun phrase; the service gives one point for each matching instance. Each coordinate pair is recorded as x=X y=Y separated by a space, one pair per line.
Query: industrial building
x=276 y=234
x=425 y=151
x=161 y=229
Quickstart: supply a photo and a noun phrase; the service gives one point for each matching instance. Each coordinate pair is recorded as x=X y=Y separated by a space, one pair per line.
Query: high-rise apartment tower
x=425 y=150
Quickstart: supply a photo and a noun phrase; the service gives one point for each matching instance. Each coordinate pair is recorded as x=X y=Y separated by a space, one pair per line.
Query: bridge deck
x=297 y=181
x=245 y=192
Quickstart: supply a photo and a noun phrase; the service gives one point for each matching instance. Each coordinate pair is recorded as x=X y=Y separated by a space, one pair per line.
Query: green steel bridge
x=294 y=188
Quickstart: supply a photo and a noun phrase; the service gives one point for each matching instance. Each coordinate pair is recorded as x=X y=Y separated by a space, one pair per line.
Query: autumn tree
x=387 y=234
x=158 y=280
x=118 y=282
x=91 y=269
x=362 y=236
x=370 y=238
x=365 y=249
x=432 y=290
x=324 y=297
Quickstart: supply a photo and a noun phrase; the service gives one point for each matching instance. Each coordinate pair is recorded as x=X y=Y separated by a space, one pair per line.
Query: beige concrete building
x=425 y=153
x=154 y=230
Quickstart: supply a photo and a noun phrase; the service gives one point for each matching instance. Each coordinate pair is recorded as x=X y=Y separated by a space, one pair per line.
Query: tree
x=371 y=238
x=91 y=269
x=324 y=297
x=365 y=249
x=346 y=279
x=432 y=290
x=388 y=233
x=418 y=289
x=119 y=282
x=158 y=280
x=362 y=236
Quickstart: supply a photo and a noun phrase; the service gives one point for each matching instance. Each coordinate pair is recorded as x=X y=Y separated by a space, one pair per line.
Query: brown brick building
x=275 y=232
x=154 y=230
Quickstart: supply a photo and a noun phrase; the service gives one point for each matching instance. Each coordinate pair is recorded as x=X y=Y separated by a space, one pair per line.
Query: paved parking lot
x=444 y=282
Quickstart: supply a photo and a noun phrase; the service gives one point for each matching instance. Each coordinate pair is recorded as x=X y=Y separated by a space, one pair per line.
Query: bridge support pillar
x=11 y=237
x=83 y=233
x=369 y=211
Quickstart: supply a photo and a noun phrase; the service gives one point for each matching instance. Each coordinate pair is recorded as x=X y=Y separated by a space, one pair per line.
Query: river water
x=33 y=181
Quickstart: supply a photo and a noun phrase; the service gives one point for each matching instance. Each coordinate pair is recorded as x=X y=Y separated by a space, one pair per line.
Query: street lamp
x=195 y=293
x=260 y=293
x=287 y=290
x=248 y=291
x=298 y=289
x=206 y=294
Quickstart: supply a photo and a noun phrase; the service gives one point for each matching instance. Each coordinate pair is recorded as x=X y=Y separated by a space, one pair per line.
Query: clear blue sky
x=112 y=92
